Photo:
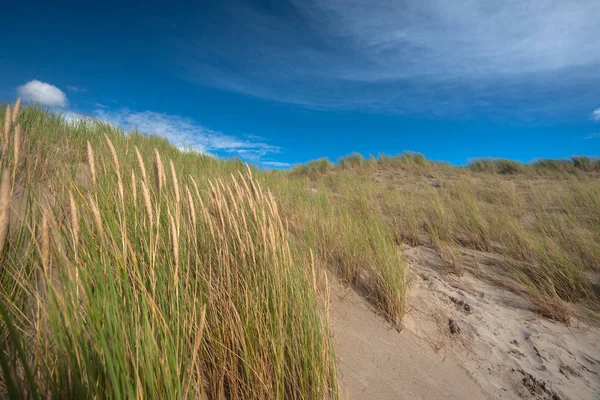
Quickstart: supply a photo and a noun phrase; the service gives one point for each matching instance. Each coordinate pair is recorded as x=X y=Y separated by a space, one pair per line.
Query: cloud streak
x=73 y=88
x=276 y=164
x=186 y=133
x=42 y=93
x=400 y=55
x=596 y=114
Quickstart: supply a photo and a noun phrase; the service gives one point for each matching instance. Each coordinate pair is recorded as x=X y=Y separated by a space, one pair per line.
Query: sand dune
x=462 y=338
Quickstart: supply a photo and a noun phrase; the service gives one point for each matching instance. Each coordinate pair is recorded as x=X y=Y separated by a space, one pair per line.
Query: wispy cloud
x=386 y=54
x=276 y=164
x=596 y=114
x=42 y=93
x=186 y=133
x=76 y=89
x=594 y=135
x=74 y=118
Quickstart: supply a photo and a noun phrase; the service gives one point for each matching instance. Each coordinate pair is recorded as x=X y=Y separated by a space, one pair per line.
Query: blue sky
x=278 y=82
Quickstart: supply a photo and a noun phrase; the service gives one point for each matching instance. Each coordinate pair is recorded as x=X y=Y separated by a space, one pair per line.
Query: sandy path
x=377 y=362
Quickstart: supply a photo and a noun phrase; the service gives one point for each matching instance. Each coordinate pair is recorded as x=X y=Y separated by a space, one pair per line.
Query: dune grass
x=130 y=268
x=544 y=225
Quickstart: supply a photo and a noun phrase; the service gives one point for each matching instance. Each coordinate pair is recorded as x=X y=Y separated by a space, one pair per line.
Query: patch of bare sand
x=496 y=347
x=499 y=338
x=377 y=362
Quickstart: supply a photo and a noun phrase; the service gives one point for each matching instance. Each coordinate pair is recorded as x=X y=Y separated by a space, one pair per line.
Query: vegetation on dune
x=313 y=169
x=130 y=268
x=574 y=165
x=542 y=220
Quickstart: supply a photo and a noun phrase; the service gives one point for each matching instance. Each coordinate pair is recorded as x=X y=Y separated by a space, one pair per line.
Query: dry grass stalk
x=159 y=171
x=133 y=187
x=113 y=153
x=16 y=150
x=91 y=161
x=175 y=183
x=196 y=188
x=313 y=270
x=175 y=237
x=197 y=344
x=7 y=123
x=177 y=196
x=96 y=215
x=141 y=164
x=4 y=207
x=146 y=195
x=74 y=219
x=45 y=243
x=74 y=233
x=191 y=207
x=15 y=113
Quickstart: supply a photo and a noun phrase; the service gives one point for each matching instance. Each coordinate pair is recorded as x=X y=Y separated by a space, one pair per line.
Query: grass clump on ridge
x=496 y=166
x=574 y=165
x=313 y=169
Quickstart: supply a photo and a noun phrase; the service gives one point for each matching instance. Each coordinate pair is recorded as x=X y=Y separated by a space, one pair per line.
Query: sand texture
x=464 y=337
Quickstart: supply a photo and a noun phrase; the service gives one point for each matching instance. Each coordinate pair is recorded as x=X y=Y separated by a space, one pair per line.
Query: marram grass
x=176 y=293
x=130 y=269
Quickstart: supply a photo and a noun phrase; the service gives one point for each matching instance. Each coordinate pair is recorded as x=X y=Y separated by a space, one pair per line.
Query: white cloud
x=596 y=114
x=594 y=135
x=42 y=93
x=186 y=133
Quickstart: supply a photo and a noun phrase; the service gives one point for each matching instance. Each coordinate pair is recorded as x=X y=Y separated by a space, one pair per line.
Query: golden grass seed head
x=141 y=164
x=4 y=207
x=147 y=203
x=16 y=149
x=74 y=218
x=91 y=161
x=196 y=188
x=192 y=208
x=15 y=113
x=159 y=171
x=133 y=187
x=7 y=123
x=113 y=152
x=175 y=183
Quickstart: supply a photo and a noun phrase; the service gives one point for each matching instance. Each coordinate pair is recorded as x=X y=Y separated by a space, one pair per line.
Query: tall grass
x=175 y=285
